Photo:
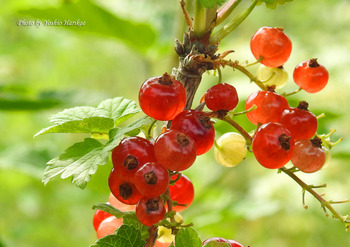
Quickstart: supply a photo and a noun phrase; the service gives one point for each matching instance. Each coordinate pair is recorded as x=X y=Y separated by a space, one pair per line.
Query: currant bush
x=149 y=155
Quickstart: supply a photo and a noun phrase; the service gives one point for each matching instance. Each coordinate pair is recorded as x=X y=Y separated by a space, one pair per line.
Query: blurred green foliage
x=46 y=69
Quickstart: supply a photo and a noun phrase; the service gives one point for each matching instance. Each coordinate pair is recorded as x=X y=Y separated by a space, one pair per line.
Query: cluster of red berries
x=147 y=172
x=285 y=131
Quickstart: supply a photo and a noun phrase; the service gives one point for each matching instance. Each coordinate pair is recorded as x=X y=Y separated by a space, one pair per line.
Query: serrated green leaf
x=187 y=237
x=211 y=3
x=111 y=210
x=97 y=21
x=272 y=4
x=118 y=133
x=106 y=241
x=80 y=161
x=86 y=119
x=88 y=125
x=131 y=219
x=129 y=236
x=119 y=109
x=76 y=114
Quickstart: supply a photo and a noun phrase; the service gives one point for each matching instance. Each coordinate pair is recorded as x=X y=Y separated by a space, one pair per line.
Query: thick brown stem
x=152 y=236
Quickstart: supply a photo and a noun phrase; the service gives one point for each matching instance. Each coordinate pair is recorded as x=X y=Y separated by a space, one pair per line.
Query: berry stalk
x=324 y=203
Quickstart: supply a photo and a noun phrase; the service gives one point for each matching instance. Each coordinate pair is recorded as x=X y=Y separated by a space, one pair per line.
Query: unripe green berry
x=230 y=149
x=272 y=76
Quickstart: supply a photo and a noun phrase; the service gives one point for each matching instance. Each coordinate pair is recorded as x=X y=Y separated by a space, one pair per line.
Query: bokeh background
x=46 y=69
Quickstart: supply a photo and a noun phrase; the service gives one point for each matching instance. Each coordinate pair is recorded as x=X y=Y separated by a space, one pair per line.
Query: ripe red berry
x=152 y=179
x=150 y=211
x=99 y=216
x=162 y=98
x=308 y=155
x=108 y=226
x=124 y=191
x=119 y=205
x=222 y=96
x=270 y=106
x=311 y=76
x=234 y=243
x=130 y=155
x=299 y=121
x=182 y=192
x=273 y=145
x=198 y=126
x=272 y=45
x=175 y=151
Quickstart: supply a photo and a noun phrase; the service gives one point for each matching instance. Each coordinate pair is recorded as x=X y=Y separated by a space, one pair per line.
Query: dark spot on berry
x=125 y=191
x=303 y=105
x=284 y=141
x=313 y=63
x=165 y=79
x=151 y=177
x=152 y=205
x=182 y=140
x=271 y=88
x=205 y=121
x=131 y=162
x=317 y=142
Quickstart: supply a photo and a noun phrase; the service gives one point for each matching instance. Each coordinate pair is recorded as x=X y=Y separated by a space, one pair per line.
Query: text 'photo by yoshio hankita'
x=51 y=22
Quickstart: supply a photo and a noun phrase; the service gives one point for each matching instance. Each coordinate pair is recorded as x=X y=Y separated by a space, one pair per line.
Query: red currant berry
x=273 y=145
x=152 y=179
x=198 y=126
x=122 y=190
x=150 y=211
x=108 y=226
x=162 y=98
x=272 y=45
x=215 y=239
x=270 y=106
x=222 y=96
x=311 y=76
x=234 y=243
x=130 y=155
x=308 y=155
x=99 y=216
x=119 y=205
x=299 y=121
x=182 y=192
x=175 y=151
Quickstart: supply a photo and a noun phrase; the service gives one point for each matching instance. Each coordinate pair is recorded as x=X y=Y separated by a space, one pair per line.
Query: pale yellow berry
x=230 y=149
x=272 y=76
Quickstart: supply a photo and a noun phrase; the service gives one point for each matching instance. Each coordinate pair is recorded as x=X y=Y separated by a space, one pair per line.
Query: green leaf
x=80 y=161
x=106 y=241
x=187 y=237
x=88 y=125
x=111 y=210
x=211 y=3
x=117 y=134
x=272 y=4
x=127 y=236
x=118 y=109
x=131 y=219
x=86 y=119
x=216 y=244
x=96 y=20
